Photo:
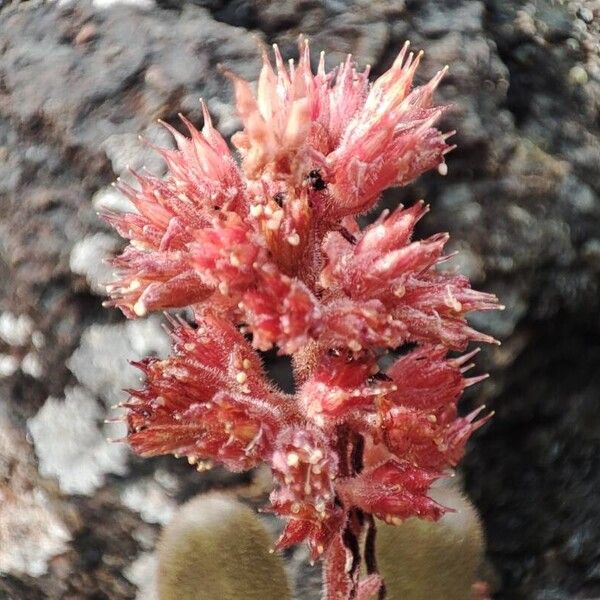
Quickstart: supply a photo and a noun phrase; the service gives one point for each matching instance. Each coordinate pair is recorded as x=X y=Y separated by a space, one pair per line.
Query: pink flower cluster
x=270 y=253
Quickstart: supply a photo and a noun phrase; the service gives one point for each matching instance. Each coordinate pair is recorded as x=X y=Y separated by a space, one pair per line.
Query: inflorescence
x=269 y=253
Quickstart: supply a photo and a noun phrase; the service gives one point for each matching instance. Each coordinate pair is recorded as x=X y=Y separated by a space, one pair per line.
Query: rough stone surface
x=142 y=573
x=80 y=80
x=149 y=499
x=32 y=531
x=70 y=446
x=101 y=362
x=88 y=258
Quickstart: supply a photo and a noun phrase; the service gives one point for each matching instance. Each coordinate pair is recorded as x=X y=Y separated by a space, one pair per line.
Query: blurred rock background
x=80 y=80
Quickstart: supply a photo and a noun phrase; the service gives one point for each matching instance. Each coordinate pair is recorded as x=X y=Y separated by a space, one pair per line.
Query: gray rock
x=86 y=84
x=142 y=573
x=101 y=361
x=31 y=530
x=148 y=498
x=15 y=330
x=71 y=446
x=585 y=14
x=88 y=258
x=436 y=19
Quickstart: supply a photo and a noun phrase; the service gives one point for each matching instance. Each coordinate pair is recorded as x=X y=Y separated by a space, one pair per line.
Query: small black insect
x=316 y=180
x=379 y=376
x=279 y=197
x=347 y=235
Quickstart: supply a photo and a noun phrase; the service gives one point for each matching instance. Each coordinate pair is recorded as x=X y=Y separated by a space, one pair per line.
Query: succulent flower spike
x=341 y=385
x=363 y=138
x=383 y=264
x=392 y=492
x=210 y=400
x=270 y=254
